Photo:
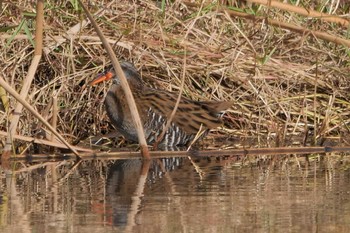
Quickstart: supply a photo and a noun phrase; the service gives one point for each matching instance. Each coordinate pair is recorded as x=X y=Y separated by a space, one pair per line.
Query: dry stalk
x=295 y=28
x=45 y=142
x=218 y=153
x=302 y=11
x=4 y=100
x=29 y=78
x=54 y=116
x=19 y=106
x=12 y=92
x=58 y=40
x=124 y=83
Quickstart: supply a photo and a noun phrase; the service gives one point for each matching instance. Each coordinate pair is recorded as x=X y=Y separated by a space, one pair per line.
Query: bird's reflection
x=124 y=183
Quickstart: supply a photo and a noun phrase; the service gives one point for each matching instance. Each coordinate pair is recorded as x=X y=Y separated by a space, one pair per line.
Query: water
x=238 y=194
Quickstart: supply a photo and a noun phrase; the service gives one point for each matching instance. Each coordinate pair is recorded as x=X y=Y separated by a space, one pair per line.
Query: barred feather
x=155 y=107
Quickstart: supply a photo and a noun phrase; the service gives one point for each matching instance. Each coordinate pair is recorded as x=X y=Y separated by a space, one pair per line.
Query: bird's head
x=129 y=70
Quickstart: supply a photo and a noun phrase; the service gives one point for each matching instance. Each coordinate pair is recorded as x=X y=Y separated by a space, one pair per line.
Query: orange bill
x=101 y=78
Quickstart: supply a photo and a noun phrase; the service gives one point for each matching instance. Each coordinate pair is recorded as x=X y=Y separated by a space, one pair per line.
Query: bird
x=155 y=107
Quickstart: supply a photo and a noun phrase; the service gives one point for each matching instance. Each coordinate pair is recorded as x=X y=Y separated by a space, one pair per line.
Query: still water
x=235 y=194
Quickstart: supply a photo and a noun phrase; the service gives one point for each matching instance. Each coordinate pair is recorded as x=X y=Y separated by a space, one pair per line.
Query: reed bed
x=287 y=83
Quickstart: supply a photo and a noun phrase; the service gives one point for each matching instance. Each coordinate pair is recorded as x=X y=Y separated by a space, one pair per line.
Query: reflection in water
x=123 y=179
x=236 y=194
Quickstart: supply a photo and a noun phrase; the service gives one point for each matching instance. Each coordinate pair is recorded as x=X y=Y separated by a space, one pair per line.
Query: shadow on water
x=191 y=194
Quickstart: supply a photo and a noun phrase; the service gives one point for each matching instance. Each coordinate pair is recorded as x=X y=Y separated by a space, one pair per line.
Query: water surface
x=235 y=194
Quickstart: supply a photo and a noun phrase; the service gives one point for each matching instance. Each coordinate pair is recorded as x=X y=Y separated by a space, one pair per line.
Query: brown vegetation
x=286 y=82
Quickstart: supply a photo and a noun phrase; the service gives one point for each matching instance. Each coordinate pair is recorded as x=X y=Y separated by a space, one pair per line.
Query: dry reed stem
x=54 y=114
x=12 y=92
x=59 y=40
x=39 y=28
x=125 y=85
x=54 y=117
x=318 y=34
x=302 y=11
x=295 y=28
x=218 y=153
x=45 y=142
x=4 y=100
x=19 y=106
x=122 y=155
x=27 y=82
x=289 y=26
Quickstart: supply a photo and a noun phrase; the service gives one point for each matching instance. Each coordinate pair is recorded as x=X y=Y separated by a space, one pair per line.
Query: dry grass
x=285 y=83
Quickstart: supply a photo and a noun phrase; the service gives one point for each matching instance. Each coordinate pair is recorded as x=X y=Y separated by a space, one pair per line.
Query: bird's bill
x=101 y=78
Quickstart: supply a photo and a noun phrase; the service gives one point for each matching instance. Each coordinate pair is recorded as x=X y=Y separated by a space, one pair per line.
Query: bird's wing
x=191 y=115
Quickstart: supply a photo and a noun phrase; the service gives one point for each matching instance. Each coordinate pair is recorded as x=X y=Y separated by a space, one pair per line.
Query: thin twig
x=170 y=118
